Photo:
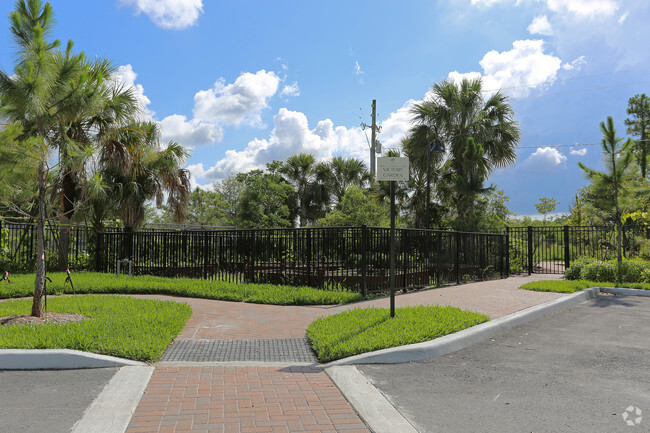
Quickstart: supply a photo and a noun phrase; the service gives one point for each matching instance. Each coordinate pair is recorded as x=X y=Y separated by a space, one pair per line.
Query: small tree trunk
x=619 y=240
x=39 y=284
x=64 y=243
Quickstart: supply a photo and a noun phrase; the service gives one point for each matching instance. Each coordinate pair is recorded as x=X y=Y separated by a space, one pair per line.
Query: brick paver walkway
x=243 y=399
x=291 y=399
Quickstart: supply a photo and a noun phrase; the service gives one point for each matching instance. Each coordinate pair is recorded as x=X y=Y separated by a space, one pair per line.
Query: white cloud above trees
x=169 y=14
x=523 y=68
x=545 y=159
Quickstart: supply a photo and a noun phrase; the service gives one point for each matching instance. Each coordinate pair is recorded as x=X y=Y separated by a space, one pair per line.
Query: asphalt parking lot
x=48 y=400
x=584 y=369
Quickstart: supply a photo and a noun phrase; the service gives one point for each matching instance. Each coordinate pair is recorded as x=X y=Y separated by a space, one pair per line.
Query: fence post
x=364 y=260
x=457 y=257
x=530 y=250
x=205 y=255
x=253 y=254
x=309 y=230
x=567 y=249
x=98 y=245
x=507 y=251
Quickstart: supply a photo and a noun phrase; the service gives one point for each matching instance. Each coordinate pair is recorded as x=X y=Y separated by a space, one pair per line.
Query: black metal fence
x=355 y=258
x=18 y=246
x=552 y=249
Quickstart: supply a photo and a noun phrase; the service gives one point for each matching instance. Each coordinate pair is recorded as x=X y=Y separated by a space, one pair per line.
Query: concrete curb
x=623 y=291
x=373 y=407
x=58 y=359
x=467 y=337
x=113 y=408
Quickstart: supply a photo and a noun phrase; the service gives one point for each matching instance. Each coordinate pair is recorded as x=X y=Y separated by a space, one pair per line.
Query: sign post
x=392 y=169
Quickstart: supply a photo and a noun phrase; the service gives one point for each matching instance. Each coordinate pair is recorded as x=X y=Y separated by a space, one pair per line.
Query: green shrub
x=600 y=271
x=575 y=270
x=633 y=270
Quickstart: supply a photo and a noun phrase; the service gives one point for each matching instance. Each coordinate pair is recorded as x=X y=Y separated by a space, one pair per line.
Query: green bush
x=575 y=270
x=600 y=271
x=629 y=271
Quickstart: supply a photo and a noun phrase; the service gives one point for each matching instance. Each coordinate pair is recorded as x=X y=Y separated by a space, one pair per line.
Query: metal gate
x=550 y=250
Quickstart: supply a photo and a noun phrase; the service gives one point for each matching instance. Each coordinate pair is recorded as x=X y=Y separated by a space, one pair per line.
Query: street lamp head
x=437 y=146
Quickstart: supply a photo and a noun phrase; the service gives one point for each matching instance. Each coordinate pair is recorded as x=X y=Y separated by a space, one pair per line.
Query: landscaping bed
x=365 y=330
x=119 y=326
x=22 y=285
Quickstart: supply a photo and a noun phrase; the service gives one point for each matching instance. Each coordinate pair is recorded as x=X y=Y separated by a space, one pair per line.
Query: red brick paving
x=243 y=399
x=292 y=399
x=221 y=320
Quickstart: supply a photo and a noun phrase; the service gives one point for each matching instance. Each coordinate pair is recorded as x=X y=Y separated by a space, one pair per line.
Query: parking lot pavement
x=584 y=369
x=48 y=400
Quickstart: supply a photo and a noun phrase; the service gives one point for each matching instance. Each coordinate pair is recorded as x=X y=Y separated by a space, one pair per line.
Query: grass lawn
x=369 y=329
x=92 y=282
x=570 y=286
x=118 y=326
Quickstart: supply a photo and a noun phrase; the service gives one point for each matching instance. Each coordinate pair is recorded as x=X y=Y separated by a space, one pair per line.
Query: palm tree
x=346 y=172
x=470 y=183
x=138 y=170
x=609 y=187
x=99 y=105
x=416 y=145
x=31 y=97
x=455 y=113
x=308 y=179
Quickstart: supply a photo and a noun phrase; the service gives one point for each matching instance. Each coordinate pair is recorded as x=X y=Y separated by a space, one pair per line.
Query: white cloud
x=290 y=90
x=517 y=71
x=540 y=26
x=126 y=76
x=291 y=134
x=223 y=105
x=545 y=159
x=584 y=8
x=623 y=17
x=575 y=64
x=357 y=68
x=169 y=14
x=579 y=152
x=577 y=8
x=177 y=128
x=239 y=102
x=487 y=3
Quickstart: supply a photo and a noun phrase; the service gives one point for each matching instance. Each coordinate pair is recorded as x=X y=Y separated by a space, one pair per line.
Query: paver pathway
x=294 y=398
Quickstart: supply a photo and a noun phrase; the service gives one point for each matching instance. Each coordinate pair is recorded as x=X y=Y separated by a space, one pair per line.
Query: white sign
x=392 y=168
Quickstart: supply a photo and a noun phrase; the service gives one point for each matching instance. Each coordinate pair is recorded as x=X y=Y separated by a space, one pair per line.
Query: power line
x=584 y=77
x=567 y=145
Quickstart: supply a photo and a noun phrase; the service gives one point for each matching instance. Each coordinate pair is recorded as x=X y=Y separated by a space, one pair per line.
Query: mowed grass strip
x=130 y=328
x=571 y=286
x=93 y=282
x=365 y=330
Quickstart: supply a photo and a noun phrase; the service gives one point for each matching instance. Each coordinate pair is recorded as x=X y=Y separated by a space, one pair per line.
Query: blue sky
x=244 y=82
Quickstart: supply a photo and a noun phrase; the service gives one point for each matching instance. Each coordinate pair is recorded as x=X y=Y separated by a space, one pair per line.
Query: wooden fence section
x=354 y=258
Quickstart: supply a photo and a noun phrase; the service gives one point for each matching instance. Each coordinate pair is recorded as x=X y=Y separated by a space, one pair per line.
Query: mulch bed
x=49 y=318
